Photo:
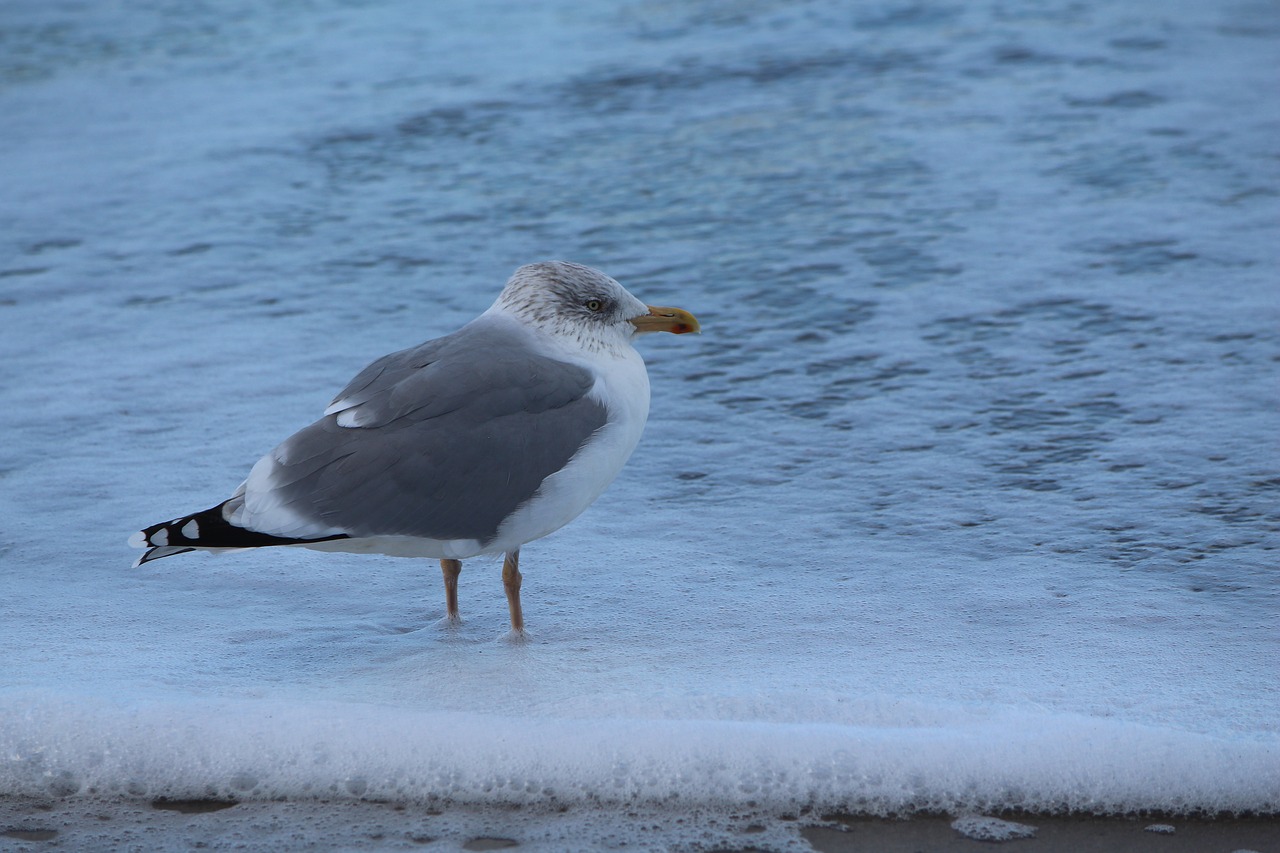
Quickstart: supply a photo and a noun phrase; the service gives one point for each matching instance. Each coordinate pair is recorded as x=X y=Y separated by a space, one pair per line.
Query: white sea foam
x=981 y=828
x=958 y=762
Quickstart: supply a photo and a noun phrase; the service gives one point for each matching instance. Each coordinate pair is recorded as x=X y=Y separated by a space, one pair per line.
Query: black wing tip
x=159 y=552
x=205 y=529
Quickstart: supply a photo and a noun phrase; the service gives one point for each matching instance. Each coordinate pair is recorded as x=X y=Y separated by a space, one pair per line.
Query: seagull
x=474 y=443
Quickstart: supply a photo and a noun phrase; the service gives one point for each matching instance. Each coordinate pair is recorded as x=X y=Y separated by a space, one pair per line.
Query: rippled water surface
x=965 y=498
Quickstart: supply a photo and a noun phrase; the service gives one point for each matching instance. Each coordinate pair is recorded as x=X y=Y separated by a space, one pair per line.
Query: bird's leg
x=451 y=569
x=511 y=581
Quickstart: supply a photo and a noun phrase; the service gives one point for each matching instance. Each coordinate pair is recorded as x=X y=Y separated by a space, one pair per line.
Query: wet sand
x=1054 y=835
x=83 y=823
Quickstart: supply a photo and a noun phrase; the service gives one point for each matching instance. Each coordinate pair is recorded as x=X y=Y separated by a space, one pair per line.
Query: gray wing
x=442 y=441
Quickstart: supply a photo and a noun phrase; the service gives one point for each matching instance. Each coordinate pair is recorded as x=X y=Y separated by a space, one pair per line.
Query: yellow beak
x=675 y=320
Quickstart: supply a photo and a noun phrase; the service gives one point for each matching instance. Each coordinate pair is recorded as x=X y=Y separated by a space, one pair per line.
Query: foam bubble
x=991 y=829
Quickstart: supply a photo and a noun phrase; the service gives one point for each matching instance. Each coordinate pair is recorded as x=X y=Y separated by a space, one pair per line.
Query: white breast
x=622 y=386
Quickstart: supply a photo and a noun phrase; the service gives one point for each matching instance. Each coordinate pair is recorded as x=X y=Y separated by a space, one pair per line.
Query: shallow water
x=965 y=498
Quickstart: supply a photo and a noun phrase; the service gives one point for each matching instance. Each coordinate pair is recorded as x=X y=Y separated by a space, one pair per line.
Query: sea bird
x=474 y=443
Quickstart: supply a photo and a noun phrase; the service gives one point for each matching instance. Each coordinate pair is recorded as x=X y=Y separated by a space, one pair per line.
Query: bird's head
x=584 y=304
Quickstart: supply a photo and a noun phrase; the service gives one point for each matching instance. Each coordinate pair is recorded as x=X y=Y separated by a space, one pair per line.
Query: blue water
x=965 y=499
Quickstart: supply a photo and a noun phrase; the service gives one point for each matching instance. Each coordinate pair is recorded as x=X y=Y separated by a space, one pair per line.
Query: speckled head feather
x=574 y=301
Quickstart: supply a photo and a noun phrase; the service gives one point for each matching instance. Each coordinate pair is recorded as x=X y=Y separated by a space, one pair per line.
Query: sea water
x=965 y=500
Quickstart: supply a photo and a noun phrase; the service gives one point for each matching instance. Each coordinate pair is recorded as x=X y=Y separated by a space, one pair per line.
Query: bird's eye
x=594 y=305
